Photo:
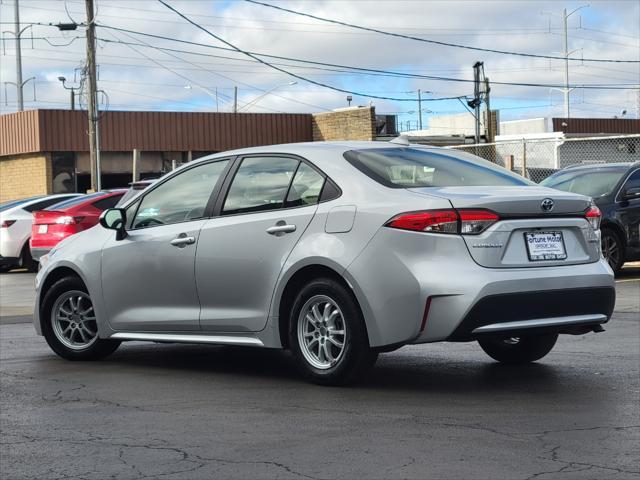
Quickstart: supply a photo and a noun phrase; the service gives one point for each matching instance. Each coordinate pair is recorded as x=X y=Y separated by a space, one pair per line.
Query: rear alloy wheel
x=523 y=349
x=69 y=322
x=612 y=249
x=327 y=334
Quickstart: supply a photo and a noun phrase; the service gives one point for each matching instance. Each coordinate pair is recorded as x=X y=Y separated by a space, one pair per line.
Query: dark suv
x=615 y=188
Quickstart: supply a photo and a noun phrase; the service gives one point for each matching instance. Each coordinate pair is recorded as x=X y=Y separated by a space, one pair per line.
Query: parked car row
x=615 y=189
x=31 y=227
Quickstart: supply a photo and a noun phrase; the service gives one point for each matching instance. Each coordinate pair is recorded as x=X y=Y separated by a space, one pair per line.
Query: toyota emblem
x=546 y=205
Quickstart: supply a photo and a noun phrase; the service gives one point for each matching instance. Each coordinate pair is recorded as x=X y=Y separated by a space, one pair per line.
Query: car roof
x=314 y=150
x=83 y=200
x=598 y=166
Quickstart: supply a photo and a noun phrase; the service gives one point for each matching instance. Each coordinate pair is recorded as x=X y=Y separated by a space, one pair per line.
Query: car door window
x=181 y=198
x=306 y=187
x=633 y=181
x=261 y=183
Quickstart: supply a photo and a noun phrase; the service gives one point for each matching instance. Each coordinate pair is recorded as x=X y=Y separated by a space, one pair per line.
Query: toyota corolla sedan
x=336 y=251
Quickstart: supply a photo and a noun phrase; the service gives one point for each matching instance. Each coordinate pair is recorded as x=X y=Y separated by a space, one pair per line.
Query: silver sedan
x=336 y=251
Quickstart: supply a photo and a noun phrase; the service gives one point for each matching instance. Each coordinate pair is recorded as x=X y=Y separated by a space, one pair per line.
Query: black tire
x=100 y=348
x=519 y=349
x=356 y=357
x=26 y=261
x=612 y=249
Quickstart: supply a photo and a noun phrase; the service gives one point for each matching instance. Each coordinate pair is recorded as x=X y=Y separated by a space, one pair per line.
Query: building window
x=63 y=174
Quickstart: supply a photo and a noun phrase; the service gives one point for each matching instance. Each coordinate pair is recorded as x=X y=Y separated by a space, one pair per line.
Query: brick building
x=47 y=151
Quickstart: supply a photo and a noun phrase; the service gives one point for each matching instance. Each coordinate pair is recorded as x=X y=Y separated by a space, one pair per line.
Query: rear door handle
x=280 y=229
x=183 y=240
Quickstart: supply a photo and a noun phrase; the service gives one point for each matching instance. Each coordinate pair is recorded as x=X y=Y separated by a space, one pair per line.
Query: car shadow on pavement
x=393 y=371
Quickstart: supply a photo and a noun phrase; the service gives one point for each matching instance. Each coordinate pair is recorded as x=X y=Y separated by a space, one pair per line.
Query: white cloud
x=135 y=82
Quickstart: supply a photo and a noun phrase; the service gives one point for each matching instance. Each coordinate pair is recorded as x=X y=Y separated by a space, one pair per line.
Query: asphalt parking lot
x=431 y=411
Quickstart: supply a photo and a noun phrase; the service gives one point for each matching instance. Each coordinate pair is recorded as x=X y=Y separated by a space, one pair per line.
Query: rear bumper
x=560 y=311
x=420 y=287
x=38 y=252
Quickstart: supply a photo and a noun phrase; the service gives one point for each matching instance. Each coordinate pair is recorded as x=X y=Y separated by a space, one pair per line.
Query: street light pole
x=18 y=56
x=419 y=110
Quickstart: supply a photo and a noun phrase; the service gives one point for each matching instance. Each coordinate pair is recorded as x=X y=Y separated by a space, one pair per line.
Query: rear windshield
x=74 y=201
x=414 y=168
x=15 y=203
x=592 y=183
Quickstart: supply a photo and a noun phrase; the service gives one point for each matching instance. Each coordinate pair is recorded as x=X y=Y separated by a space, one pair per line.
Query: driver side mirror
x=631 y=193
x=115 y=219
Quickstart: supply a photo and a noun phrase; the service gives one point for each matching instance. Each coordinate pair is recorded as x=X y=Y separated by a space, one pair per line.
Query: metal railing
x=536 y=159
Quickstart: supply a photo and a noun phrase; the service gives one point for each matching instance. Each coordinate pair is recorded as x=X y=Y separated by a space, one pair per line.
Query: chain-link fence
x=537 y=159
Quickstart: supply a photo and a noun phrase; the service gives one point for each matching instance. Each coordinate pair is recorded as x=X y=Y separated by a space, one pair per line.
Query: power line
x=625 y=86
x=435 y=42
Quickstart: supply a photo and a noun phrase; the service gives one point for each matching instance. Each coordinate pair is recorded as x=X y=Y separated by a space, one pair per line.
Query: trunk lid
x=512 y=200
x=511 y=242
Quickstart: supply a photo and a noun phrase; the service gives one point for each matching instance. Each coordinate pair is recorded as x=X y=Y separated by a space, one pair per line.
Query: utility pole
x=488 y=128
x=477 y=101
x=235 y=99
x=92 y=102
x=566 y=65
x=18 y=34
x=419 y=110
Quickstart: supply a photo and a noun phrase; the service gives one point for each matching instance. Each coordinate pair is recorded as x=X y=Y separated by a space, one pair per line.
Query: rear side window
x=106 y=203
x=261 y=183
x=306 y=187
x=414 y=168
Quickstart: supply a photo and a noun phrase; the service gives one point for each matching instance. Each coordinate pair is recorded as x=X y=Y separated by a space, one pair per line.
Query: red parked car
x=63 y=219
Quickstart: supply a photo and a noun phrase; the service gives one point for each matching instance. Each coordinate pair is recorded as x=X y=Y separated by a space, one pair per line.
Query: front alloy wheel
x=73 y=319
x=69 y=322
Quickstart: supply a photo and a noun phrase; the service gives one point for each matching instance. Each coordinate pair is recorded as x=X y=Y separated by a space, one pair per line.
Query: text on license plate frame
x=541 y=257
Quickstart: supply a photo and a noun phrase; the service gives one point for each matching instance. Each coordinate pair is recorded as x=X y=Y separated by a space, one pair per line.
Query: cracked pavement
x=430 y=411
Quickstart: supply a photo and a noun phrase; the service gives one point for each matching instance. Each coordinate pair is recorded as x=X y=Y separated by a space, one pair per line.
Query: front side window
x=181 y=198
x=414 y=168
x=261 y=183
x=592 y=183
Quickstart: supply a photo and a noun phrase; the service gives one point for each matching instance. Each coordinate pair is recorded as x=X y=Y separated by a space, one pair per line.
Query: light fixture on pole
x=71 y=89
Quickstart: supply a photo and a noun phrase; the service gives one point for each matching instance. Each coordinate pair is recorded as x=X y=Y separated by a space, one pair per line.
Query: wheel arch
x=52 y=277
x=290 y=286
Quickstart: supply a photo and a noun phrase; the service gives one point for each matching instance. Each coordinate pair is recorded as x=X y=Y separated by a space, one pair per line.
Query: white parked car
x=15 y=228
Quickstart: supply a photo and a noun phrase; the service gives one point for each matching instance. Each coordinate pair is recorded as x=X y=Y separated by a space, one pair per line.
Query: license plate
x=545 y=246
x=42 y=228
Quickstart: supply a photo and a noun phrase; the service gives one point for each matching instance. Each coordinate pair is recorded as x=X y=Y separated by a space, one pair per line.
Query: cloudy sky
x=158 y=73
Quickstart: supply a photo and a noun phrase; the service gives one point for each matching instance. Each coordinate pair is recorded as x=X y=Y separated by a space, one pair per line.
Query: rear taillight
x=68 y=220
x=593 y=216
x=433 y=221
x=463 y=221
x=7 y=223
x=473 y=222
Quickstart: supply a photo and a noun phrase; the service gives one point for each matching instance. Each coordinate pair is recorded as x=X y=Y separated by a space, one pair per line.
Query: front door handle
x=183 y=240
x=281 y=228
